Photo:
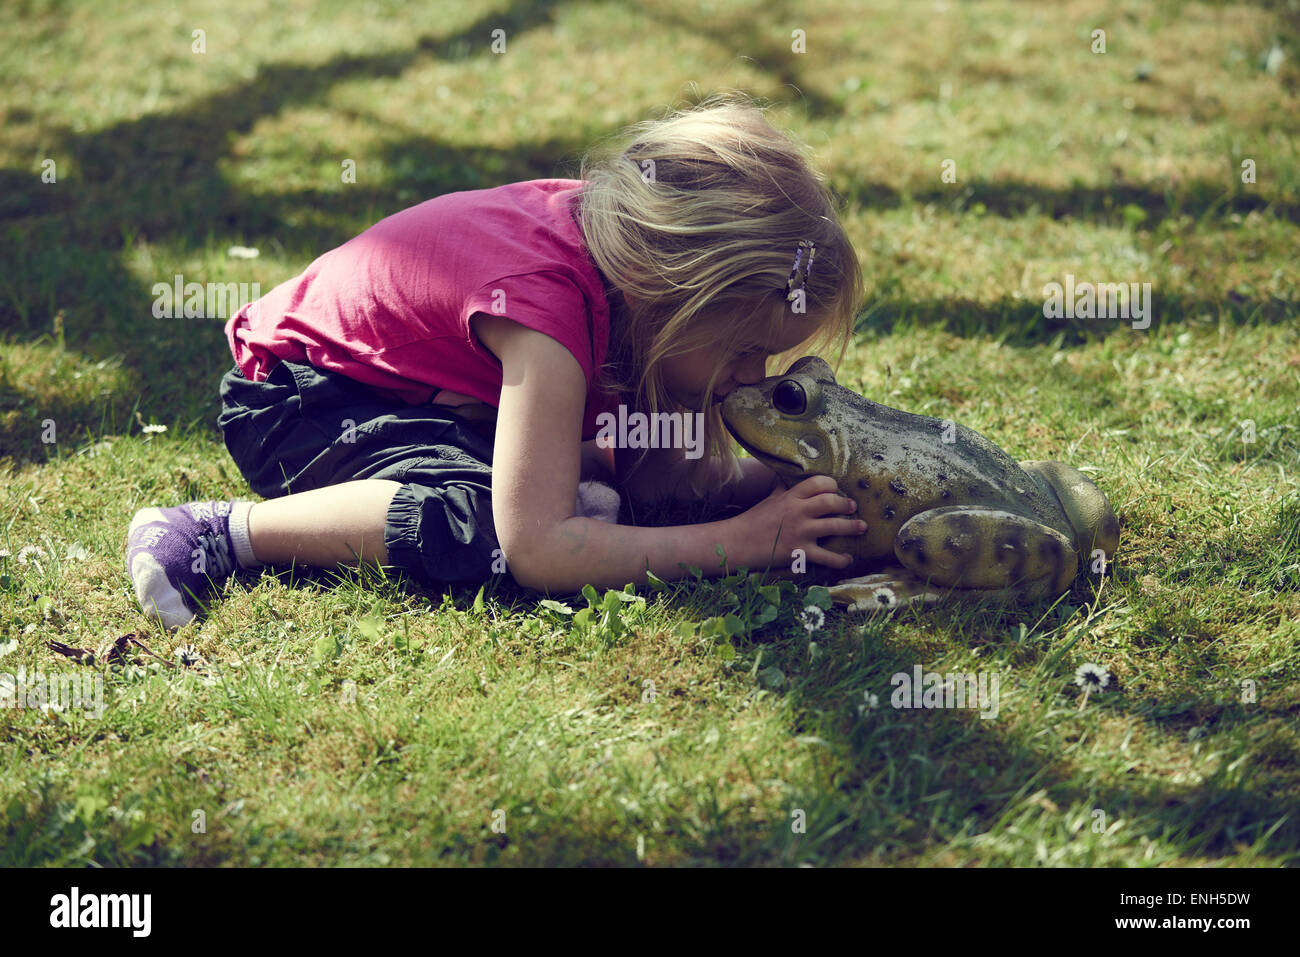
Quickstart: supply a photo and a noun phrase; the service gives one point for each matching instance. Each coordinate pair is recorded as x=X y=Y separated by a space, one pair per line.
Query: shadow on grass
x=983 y=772
x=752 y=38
x=1098 y=204
x=771 y=52
x=157 y=179
x=1020 y=322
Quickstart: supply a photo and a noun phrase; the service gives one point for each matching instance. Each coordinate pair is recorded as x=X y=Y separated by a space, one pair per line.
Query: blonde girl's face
x=686 y=375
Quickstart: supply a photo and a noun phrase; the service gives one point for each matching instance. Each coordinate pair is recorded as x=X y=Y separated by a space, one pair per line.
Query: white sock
x=239 y=535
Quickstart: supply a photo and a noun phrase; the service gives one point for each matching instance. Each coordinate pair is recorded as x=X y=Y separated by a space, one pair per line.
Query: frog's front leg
x=892 y=588
x=896 y=587
x=982 y=547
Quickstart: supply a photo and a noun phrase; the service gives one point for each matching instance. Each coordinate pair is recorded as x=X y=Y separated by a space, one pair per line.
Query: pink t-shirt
x=391 y=307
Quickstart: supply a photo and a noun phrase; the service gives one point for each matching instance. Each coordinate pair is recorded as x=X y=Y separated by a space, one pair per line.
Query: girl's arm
x=536 y=462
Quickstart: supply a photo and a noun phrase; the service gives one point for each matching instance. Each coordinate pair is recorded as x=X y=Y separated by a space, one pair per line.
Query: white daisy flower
x=243 y=252
x=4 y=553
x=1092 y=677
x=812 y=618
x=29 y=550
x=153 y=428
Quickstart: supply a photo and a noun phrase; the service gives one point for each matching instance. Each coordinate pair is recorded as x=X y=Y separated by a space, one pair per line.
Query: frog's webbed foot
x=884 y=591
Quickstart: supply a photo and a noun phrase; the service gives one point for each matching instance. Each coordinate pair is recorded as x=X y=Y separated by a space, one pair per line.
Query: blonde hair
x=700 y=218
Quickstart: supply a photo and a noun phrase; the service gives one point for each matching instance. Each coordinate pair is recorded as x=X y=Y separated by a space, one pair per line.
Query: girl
x=427 y=395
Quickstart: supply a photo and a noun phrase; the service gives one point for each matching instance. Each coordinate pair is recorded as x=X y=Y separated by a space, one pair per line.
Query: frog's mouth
x=774 y=462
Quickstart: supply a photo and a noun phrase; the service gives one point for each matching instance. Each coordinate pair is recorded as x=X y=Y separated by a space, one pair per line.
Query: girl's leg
x=325 y=527
x=175 y=555
x=301 y=438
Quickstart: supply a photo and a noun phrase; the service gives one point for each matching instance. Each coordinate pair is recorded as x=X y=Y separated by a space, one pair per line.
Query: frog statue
x=958 y=515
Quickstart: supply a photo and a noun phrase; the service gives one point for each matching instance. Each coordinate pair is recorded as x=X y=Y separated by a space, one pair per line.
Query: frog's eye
x=789 y=398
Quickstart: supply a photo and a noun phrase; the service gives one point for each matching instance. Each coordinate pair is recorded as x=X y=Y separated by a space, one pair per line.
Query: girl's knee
x=443 y=534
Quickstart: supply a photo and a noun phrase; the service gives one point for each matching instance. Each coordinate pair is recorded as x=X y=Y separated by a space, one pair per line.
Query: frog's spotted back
x=954 y=509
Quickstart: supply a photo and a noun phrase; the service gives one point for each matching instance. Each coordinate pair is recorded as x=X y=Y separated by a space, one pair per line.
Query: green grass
x=354 y=720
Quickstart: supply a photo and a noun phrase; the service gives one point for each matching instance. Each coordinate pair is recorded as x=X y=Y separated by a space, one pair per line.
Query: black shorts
x=305 y=428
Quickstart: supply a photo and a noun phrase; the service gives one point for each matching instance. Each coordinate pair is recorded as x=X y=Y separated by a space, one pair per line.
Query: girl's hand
x=794 y=518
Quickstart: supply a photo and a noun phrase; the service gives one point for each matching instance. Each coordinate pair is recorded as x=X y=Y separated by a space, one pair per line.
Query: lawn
x=981 y=152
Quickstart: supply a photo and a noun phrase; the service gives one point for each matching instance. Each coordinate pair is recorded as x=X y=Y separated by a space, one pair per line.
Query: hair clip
x=791 y=289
